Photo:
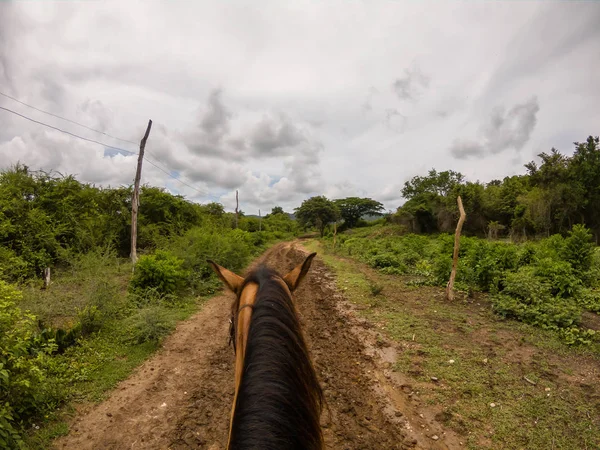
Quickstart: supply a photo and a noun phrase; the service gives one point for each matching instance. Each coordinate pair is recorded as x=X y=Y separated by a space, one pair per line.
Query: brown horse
x=278 y=400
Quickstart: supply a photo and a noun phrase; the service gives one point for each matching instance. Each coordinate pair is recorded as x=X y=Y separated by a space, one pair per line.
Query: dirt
x=181 y=398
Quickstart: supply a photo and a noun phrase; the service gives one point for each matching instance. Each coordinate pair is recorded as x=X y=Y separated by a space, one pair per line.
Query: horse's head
x=246 y=290
x=267 y=296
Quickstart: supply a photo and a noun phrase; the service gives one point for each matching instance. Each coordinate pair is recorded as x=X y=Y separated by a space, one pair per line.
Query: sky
x=286 y=100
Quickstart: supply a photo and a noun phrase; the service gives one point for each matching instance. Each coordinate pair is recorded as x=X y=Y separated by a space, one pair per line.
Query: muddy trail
x=181 y=398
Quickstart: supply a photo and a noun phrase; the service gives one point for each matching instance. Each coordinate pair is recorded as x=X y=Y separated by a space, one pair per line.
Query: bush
x=21 y=376
x=590 y=300
x=90 y=320
x=12 y=267
x=161 y=271
x=147 y=325
x=560 y=277
x=230 y=248
x=579 y=249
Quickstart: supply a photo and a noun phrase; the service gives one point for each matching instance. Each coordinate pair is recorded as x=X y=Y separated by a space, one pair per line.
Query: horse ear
x=294 y=278
x=231 y=280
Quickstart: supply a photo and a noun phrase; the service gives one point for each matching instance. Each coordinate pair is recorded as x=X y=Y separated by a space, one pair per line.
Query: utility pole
x=259 y=221
x=237 y=204
x=135 y=198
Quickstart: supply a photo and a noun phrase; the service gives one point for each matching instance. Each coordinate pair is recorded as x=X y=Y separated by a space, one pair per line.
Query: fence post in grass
x=461 y=220
x=46 y=278
x=334 y=234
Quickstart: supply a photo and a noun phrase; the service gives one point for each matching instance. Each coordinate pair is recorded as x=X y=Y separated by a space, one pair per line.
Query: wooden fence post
x=461 y=220
x=135 y=198
x=46 y=278
x=334 y=234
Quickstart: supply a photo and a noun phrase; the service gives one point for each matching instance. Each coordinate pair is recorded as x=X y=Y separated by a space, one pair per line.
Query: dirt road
x=181 y=398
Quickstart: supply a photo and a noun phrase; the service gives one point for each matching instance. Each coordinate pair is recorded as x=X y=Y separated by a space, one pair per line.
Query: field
x=401 y=368
x=111 y=355
x=494 y=383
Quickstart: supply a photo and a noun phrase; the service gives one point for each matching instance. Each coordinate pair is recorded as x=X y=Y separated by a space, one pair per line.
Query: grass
x=127 y=330
x=482 y=364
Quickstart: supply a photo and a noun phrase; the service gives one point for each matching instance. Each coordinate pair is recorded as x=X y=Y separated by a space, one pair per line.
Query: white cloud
x=286 y=100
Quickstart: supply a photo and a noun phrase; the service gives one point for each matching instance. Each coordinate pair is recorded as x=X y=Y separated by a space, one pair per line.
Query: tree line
x=549 y=198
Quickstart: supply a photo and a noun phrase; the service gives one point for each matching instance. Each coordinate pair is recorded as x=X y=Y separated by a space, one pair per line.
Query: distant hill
x=290 y=215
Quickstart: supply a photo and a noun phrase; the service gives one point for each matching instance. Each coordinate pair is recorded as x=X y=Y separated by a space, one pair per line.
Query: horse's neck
x=276 y=402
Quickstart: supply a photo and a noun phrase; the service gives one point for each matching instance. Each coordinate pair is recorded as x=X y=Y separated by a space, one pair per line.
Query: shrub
x=528 y=298
x=590 y=300
x=230 y=248
x=147 y=325
x=579 y=249
x=21 y=376
x=90 y=320
x=381 y=260
x=12 y=267
x=161 y=271
x=560 y=277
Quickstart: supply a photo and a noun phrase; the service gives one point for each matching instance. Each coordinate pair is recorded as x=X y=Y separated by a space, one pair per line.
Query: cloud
x=213 y=124
x=409 y=86
x=290 y=121
x=272 y=137
x=504 y=130
x=215 y=121
x=394 y=120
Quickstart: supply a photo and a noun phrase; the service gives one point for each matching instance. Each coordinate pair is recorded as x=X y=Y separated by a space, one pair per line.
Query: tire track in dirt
x=181 y=398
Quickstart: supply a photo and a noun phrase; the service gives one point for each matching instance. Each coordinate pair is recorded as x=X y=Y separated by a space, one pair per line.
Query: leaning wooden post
x=135 y=198
x=461 y=220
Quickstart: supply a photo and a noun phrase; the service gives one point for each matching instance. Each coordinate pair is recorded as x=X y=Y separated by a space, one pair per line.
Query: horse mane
x=279 y=399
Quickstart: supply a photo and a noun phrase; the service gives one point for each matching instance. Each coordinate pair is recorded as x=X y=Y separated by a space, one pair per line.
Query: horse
x=277 y=399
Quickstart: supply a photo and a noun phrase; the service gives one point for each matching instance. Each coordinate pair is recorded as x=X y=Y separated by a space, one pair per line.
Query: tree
x=435 y=183
x=353 y=208
x=317 y=212
x=584 y=168
x=277 y=210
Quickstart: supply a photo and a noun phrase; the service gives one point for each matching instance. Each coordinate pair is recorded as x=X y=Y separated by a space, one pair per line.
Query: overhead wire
x=200 y=191
x=67 y=132
x=65 y=119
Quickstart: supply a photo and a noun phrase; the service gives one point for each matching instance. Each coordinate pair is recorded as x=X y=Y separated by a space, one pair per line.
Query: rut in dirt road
x=182 y=397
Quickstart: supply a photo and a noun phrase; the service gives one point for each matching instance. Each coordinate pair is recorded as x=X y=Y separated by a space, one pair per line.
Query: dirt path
x=181 y=397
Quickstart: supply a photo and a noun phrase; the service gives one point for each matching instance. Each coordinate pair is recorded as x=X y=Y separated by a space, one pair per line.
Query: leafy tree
x=317 y=212
x=435 y=183
x=277 y=210
x=353 y=208
x=584 y=170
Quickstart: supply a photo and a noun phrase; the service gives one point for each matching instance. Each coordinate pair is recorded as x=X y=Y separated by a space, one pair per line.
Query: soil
x=181 y=398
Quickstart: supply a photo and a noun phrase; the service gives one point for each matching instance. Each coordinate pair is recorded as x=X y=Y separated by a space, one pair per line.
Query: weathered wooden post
x=461 y=220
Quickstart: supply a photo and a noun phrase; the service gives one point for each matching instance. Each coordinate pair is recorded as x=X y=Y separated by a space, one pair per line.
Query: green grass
x=480 y=362
x=129 y=330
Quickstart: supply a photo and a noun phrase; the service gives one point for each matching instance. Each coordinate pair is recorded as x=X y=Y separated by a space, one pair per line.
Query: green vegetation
x=547 y=283
x=317 y=212
x=498 y=384
x=550 y=198
x=353 y=209
x=97 y=321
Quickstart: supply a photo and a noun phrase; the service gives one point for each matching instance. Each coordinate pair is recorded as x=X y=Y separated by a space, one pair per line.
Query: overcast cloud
x=284 y=100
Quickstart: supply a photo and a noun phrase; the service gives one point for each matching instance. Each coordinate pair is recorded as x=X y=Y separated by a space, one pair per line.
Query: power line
x=205 y=193
x=68 y=132
x=64 y=118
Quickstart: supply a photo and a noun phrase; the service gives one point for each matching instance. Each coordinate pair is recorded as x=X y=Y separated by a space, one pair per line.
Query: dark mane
x=279 y=400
